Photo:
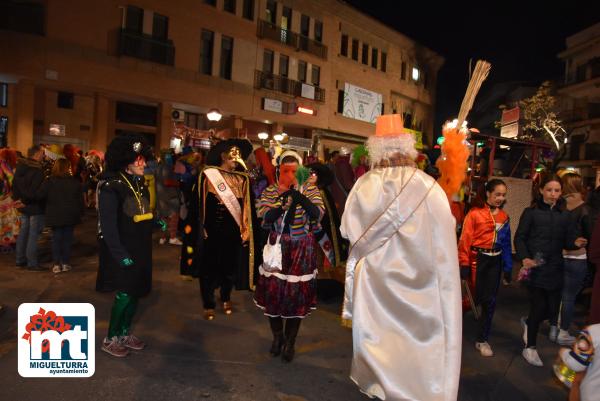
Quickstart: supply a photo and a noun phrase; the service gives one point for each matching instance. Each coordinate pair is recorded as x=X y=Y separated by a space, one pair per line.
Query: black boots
x=277 y=330
x=292 y=325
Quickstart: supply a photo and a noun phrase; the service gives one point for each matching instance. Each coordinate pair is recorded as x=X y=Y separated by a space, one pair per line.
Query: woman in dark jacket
x=125 y=238
x=544 y=231
x=64 y=206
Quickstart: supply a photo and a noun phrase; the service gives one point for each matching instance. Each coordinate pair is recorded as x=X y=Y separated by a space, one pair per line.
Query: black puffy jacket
x=543 y=233
x=64 y=201
x=28 y=179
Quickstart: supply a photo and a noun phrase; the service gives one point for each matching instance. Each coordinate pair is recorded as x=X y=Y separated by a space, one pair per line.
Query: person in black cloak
x=125 y=238
x=225 y=249
x=333 y=245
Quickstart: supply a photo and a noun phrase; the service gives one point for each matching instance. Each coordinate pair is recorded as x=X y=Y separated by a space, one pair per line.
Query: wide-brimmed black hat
x=214 y=154
x=324 y=174
x=124 y=149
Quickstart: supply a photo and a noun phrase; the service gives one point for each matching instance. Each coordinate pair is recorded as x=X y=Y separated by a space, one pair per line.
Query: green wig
x=357 y=153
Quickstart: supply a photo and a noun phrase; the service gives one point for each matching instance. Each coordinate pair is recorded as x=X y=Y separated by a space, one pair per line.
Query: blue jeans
x=31 y=228
x=575 y=272
x=62 y=239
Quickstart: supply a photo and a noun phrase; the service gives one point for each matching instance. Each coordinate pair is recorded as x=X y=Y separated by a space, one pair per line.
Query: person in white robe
x=402 y=289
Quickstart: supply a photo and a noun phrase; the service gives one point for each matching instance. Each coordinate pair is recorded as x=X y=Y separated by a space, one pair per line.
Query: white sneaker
x=484 y=348
x=175 y=241
x=56 y=269
x=66 y=267
x=532 y=357
x=564 y=338
x=553 y=334
x=162 y=241
x=524 y=327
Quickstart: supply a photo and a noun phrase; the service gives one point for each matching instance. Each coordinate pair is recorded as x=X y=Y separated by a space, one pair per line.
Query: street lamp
x=263 y=135
x=278 y=137
x=214 y=115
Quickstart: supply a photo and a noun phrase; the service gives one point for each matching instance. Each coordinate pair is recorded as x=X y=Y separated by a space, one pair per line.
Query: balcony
x=145 y=47
x=277 y=83
x=267 y=30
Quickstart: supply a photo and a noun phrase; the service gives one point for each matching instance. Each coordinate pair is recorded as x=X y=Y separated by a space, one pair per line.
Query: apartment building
x=319 y=71
x=581 y=89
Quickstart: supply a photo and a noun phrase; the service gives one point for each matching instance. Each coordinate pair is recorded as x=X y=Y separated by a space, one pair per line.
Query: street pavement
x=188 y=358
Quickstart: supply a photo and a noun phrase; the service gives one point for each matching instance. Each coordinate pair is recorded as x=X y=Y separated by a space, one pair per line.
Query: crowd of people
x=272 y=222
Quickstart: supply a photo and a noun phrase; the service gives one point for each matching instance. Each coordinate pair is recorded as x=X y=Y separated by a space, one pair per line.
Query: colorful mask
x=235 y=155
x=287 y=175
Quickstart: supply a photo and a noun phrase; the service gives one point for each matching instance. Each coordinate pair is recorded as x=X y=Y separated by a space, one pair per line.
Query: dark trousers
x=62 y=239
x=219 y=266
x=489 y=270
x=543 y=303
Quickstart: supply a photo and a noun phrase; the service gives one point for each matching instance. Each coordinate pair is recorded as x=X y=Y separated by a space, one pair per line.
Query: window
x=134 y=21
x=374 y=57
x=344 y=46
x=355 y=49
x=248 y=10
x=302 y=71
x=383 y=61
x=340 y=108
x=318 y=31
x=415 y=74
x=206 y=52
x=229 y=6
x=365 y=54
x=304 y=25
x=316 y=75
x=268 y=57
x=160 y=27
x=3 y=95
x=131 y=113
x=284 y=63
x=403 y=71
x=3 y=131
x=286 y=18
x=210 y=2
x=65 y=100
x=271 y=11
x=226 y=57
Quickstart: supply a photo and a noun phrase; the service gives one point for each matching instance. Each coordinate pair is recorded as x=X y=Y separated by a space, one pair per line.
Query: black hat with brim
x=124 y=150
x=324 y=174
x=214 y=154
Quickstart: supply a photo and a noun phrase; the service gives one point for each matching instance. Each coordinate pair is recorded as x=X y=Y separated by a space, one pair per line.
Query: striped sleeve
x=314 y=195
x=268 y=200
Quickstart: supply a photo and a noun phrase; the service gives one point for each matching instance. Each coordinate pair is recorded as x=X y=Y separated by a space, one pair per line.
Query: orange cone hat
x=389 y=125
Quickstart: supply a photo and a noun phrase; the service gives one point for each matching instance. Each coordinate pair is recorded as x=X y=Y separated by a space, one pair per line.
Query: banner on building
x=361 y=104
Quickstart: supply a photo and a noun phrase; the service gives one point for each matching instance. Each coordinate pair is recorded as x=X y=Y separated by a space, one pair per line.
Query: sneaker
x=56 y=269
x=209 y=314
x=532 y=357
x=175 y=241
x=524 y=327
x=484 y=348
x=66 y=267
x=132 y=342
x=227 y=308
x=553 y=334
x=114 y=347
x=565 y=339
x=162 y=241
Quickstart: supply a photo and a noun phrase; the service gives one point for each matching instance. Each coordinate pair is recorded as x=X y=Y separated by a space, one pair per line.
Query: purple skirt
x=292 y=291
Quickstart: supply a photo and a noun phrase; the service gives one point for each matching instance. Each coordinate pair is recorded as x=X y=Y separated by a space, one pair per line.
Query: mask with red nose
x=287 y=176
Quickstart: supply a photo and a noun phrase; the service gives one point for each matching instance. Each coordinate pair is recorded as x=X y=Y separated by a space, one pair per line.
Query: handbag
x=272 y=253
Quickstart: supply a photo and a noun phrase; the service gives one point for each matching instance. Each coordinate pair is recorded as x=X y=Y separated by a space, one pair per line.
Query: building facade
x=83 y=72
x=581 y=89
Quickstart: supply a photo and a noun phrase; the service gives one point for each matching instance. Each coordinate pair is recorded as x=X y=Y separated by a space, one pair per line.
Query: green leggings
x=122 y=314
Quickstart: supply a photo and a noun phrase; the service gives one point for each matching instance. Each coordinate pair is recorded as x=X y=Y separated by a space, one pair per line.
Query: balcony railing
x=277 y=83
x=145 y=47
x=267 y=30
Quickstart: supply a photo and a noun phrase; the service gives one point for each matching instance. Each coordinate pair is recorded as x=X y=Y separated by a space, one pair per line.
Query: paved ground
x=191 y=359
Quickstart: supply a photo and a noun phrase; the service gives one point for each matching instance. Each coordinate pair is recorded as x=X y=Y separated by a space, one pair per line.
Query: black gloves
x=272 y=215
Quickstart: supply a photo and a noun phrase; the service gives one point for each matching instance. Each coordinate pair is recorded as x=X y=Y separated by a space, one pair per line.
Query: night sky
x=520 y=39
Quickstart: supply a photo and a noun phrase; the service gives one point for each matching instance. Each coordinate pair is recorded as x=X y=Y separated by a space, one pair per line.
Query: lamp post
x=213 y=116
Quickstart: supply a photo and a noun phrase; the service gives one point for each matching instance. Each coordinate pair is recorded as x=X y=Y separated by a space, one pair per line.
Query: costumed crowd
x=272 y=221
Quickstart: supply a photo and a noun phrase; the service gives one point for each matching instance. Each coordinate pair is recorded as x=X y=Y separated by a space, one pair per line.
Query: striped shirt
x=302 y=223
